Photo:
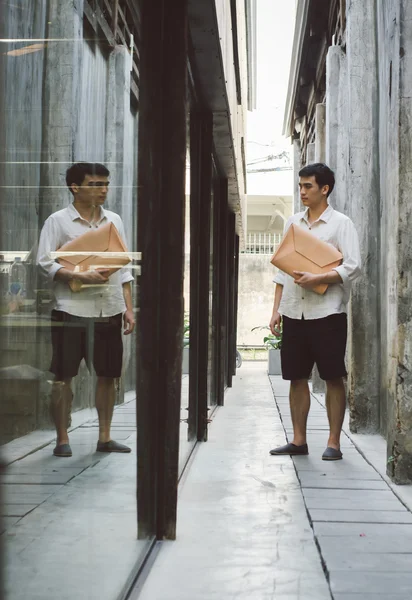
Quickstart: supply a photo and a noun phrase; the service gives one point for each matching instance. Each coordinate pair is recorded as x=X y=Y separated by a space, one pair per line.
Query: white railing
x=262 y=243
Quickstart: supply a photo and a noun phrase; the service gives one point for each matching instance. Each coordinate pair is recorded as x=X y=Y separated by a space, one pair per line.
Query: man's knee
x=61 y=385
x=108 y=381
x=296 y=384
x=335 y=384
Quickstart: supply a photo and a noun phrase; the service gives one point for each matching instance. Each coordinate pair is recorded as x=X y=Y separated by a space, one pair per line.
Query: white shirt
x=338 y=230
x=102 y=300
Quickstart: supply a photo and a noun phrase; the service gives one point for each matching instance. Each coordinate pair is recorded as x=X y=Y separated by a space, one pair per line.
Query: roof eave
x=302 y=12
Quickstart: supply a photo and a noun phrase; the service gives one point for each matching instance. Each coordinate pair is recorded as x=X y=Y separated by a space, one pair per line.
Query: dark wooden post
x=200 y=234
x=235 y=300
x=161 y=209
x=231 y=358
x=223 y=292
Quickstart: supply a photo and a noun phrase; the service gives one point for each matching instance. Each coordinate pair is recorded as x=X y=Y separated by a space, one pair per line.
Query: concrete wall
x=368 y=120
x=256 y=294
x=363 y=208
x=399 y=247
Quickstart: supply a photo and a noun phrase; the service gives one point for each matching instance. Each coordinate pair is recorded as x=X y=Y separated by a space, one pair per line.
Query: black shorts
x=320 y=341
x=96 y=340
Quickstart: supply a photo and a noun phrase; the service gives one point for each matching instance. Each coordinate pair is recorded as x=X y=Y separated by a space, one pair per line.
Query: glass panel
x=213 y=294
x=186 y=444
x=68 y=95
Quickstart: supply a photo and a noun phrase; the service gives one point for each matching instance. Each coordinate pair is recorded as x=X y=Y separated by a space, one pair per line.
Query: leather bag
x=300 y=250
x=104 y=240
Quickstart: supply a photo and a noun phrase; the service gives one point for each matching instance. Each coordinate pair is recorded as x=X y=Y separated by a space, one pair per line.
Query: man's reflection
x=88 y=323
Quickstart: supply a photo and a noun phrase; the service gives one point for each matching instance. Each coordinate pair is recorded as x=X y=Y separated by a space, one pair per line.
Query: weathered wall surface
x=368 y=144
x=256 y=294
x=363 y=197
x=400 y=424
x=22 y=131
x=389 y=72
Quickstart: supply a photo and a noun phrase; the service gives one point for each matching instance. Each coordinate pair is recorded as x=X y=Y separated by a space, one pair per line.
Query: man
x=315 y=326
x=86 y=324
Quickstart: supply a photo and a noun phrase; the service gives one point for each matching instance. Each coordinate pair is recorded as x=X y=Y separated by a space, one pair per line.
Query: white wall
x=256 y=293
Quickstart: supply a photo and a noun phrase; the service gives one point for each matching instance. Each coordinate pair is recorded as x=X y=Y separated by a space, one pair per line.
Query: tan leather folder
x=104 y=239
x=302 y=251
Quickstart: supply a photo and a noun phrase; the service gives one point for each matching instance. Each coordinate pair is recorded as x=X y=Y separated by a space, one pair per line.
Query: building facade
x=349 y=105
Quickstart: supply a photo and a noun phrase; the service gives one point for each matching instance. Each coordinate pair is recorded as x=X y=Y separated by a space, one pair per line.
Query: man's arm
x=90 y=277
x=350 y=268
x=128 y=317
x=276 y=319
x=309 y=280
x=49 y=242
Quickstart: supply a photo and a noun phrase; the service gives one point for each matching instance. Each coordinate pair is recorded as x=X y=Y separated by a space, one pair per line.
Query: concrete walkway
x=256 y=527
x=250 y=526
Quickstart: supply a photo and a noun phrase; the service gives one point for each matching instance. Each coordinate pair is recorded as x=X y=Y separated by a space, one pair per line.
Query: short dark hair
x=77 y=172
x=322 y=174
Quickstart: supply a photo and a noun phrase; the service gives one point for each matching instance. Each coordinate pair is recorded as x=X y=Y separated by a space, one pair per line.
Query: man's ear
x=74 y=188
x=325 y=190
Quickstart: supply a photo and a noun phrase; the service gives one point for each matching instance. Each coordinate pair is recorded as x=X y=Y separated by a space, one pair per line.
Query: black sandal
x=332 y=454
x=112 y=446
x=290 y=450
x=63 y=450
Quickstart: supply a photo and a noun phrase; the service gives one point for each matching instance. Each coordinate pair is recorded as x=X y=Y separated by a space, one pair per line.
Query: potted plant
x=186 y=340
x=273 y=344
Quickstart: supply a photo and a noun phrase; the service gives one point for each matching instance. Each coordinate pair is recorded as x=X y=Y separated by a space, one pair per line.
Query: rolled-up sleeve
x=348 y=240
x=125 y=273
x=280 y=276
x=49 y=242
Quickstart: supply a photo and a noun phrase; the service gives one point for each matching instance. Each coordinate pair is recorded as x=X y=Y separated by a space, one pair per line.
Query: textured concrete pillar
x=363 y=195
x=320 y=133
x=310 y=154
x=400 y=405
x=121 y=160
x=337 y=149
x=60 y=86
x=333 y=65
x=118 y=156
x=297 y=165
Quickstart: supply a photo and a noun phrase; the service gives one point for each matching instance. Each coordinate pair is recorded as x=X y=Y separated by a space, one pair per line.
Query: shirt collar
x=74 y=214
x=325 y=216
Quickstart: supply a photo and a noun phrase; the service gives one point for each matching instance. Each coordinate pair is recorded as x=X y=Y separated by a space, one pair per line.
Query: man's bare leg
x=105 y=398
x=60 y=409
x=299 y=399
x=336 y=406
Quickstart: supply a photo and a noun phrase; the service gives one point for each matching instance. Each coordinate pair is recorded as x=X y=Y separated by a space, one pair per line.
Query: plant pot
x=185 y=364
x=274 y=362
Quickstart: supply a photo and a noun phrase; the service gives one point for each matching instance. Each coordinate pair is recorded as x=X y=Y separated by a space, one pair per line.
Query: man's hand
x=128 y=322
x=306 y=280
x=93 y=277
x=274 y=324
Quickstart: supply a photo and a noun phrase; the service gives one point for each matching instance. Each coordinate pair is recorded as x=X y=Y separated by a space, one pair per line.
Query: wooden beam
x=98 y=22
x=115 y=17
x=161 y=212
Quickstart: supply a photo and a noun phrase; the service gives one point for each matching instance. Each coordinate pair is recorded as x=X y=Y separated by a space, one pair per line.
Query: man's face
x=311 y=194
x=93 y=190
